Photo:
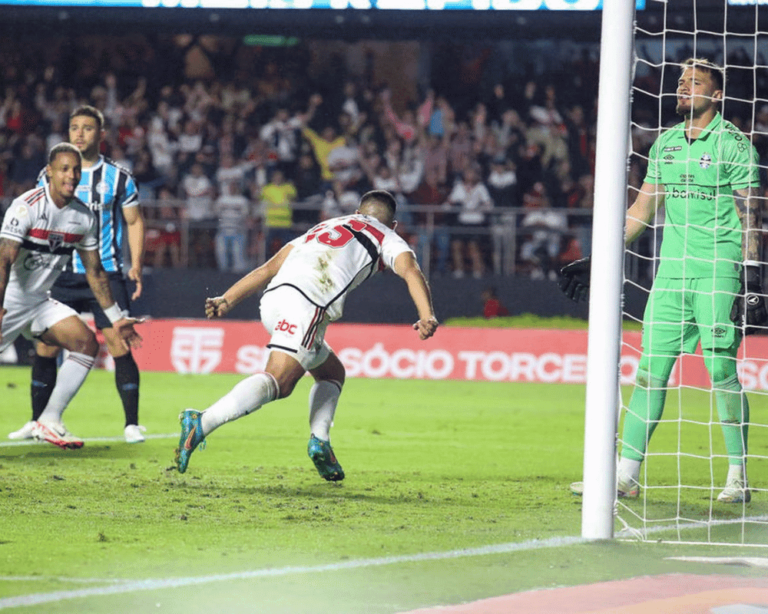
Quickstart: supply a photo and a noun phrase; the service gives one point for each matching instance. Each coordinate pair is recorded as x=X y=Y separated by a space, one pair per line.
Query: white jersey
x=335 y=257
x=48 y=236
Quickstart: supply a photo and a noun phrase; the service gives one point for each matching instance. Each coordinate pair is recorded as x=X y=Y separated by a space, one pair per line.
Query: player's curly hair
x=62 y=148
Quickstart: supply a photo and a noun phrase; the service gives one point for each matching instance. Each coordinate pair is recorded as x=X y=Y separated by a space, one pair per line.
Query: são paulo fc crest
x=705 y=161
x=55 y=240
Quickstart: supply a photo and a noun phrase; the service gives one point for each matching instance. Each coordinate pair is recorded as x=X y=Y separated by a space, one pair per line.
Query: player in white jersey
x=112 y=194
x=40 y=231
x=305 y=285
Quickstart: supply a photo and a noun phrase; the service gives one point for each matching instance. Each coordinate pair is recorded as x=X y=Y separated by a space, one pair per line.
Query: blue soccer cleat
x=324 y=459
x=191 y=437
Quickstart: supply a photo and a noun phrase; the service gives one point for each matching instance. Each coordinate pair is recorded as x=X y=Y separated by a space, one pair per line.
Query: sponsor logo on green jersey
x=698 y=192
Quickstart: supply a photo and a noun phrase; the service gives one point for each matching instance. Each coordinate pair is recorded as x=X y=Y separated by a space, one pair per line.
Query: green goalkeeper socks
x=733 y=411
x=646 y=405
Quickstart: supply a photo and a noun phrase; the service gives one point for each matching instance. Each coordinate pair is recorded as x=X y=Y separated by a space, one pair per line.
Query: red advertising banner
x=395 y=351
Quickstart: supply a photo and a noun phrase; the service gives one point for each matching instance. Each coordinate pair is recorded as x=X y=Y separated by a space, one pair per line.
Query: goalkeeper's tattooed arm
x=748 y=210
x=749 y=308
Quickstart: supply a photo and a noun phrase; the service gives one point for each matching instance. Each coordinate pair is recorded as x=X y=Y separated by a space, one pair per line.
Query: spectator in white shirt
x=282 y=134
x=232 y=209
x=199 y=191
x=546 y=227
x=472 y=196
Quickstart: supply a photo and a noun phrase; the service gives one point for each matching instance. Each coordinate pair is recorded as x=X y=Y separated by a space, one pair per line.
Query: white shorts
x=297 y=327
x=31 y=319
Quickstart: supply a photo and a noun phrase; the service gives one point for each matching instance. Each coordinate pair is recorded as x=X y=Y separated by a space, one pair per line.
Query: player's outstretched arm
x=98 y=280
x=575 y=277
x=253 y=282
x=407 y=268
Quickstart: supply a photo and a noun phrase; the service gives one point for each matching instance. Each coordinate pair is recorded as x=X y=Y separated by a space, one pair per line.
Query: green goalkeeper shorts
x=680 y=312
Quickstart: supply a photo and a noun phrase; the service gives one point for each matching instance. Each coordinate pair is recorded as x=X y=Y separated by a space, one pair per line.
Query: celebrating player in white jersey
x=306 y=284
x=40 y=231
x=112 y=194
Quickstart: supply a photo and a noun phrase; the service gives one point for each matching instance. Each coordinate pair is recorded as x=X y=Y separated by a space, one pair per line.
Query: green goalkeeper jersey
x=702 y=231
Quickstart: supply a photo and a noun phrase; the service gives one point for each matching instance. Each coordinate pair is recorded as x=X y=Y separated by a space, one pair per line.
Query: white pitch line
x=632 y=532
x=33 y=442
x=118 y=587
x=132 y=586
x=63 y=579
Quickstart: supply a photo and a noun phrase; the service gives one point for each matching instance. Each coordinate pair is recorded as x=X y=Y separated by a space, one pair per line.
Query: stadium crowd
x=235 y=159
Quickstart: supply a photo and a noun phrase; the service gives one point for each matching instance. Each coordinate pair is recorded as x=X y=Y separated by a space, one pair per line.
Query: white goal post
x=602 y=398
x=685 y=465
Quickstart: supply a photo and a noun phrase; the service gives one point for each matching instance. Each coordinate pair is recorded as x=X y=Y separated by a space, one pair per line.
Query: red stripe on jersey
x=35 y=197
x=39 y=233
x=375 y=232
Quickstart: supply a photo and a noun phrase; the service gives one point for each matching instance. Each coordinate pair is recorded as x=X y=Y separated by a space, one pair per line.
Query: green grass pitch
x=455 y=491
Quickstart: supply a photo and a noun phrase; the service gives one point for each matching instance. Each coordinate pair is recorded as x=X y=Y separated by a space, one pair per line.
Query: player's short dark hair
x=62 y=148
x=88 y=111
x=705 y=65
x=380 y=196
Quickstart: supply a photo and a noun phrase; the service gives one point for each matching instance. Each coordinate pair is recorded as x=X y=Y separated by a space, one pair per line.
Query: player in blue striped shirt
x=112 y=194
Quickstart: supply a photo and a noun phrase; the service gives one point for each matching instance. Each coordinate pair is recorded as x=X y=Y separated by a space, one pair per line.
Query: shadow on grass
x=43 y=451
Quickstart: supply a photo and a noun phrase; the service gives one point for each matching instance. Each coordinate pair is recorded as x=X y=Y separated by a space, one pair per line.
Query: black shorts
x=73 y=290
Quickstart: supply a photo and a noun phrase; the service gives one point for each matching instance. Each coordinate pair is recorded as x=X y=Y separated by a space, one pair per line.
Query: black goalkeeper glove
x=749 y=309
x=574 y=280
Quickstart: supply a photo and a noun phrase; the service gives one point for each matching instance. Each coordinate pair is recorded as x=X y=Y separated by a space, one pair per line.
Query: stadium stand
x=190 y=116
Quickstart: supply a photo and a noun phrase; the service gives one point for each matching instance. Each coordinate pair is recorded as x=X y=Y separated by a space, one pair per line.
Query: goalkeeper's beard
x=685 y=109
x=688 y=111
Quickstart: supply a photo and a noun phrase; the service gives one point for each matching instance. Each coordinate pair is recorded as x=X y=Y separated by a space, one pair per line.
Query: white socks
x=245 y=398
x=736 y=472
x=629 y=468
x=70 y=377
x=253 y=392
x=323 y=399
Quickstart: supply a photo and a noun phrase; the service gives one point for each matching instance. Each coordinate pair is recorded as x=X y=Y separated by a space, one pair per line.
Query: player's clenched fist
x=426 y=327
x=216 y=307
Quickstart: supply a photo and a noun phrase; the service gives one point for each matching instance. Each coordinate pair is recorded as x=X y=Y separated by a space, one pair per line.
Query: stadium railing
x=169 y=230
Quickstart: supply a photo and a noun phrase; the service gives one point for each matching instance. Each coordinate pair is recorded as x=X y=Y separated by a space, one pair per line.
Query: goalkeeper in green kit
x=704 y=171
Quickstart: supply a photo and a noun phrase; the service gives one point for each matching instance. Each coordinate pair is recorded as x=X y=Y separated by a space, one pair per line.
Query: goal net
x=686 y=463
